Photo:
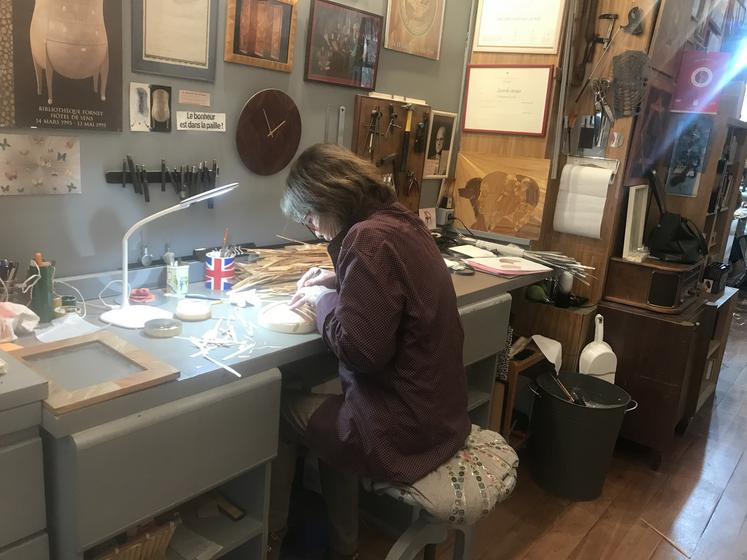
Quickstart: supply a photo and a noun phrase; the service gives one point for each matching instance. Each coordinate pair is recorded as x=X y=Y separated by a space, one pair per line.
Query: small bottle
x=146 y=259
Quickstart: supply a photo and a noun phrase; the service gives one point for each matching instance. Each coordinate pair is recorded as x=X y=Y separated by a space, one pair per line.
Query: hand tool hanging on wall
x=420 y=130
x=390 y=178
x=392 y=122
x=607 y=42
x=406 y=137
x=187 y=180
x=630 y=70
x=372 y=138
x=634 y=27
x=585 y=23
x=604 y=118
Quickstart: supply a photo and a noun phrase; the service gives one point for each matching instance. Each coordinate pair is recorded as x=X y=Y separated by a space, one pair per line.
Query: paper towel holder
x=595 y=161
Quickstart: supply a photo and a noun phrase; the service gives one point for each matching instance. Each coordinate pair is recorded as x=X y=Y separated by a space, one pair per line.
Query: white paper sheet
x=581 y=199
x=67 y=326
x=177 y=32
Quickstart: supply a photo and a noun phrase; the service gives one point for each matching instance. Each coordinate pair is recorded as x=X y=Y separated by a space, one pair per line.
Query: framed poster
x=441 y=129
x=523 y=26
x=689 y=155
x=59 y=72
x=673 y=26
x=415 y=27
x=507 y=99
x=718 y=15
x=648 y=141
x=261 y=33
x=175 y=38
x=343 y=45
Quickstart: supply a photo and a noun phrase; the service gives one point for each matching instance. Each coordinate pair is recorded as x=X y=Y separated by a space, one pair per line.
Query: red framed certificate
x=507 y=99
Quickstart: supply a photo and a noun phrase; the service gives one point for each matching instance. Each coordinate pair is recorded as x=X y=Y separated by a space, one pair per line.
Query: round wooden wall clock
x=268 y=132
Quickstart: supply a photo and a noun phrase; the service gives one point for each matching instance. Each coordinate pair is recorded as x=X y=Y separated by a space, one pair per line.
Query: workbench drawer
x=130 y=469
x=22 y=510
x=36 y=548
x=485 y=326
x=20 y=418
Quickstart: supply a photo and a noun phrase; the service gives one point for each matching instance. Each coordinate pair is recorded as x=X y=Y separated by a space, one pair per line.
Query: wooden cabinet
x=668 y=363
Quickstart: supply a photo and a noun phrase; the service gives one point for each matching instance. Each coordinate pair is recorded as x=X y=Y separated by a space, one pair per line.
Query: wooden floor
x=695 y=506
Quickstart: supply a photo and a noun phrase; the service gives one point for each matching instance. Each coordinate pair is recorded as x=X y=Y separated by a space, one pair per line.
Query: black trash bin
x=572 y=444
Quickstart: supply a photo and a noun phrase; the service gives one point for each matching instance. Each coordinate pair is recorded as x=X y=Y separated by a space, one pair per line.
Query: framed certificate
x=507 y=99
x=175 y=38
x=524 y=26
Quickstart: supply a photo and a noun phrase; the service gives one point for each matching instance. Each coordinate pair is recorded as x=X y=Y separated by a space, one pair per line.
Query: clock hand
x=276 y=128
x=268 y=122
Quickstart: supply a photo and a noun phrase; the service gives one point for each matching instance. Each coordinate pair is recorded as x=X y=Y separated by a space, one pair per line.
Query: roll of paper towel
x=581 y=198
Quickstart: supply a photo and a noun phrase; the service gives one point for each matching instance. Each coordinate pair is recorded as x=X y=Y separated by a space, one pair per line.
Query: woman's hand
x=316 y=276
x=308 y=295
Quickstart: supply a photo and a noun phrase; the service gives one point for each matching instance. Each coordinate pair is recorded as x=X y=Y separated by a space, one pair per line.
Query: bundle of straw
x=276 y=271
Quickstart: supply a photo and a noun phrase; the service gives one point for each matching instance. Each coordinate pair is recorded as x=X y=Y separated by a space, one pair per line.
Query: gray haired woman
x=388 y=313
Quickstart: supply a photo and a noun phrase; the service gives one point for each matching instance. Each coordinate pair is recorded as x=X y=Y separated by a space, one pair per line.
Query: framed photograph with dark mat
x=648 y=141
x=343 y=45
x=261 y=33
x=61 y=71
x=692 y=135
x=175 y=38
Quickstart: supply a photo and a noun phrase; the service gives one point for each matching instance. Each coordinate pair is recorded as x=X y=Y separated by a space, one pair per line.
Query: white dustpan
x=597 y=358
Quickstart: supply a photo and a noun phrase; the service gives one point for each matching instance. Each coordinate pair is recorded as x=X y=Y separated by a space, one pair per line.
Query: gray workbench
x=23 y=524
x=117 y=463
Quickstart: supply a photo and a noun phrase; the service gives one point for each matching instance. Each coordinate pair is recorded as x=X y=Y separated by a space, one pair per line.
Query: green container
x=42 y=293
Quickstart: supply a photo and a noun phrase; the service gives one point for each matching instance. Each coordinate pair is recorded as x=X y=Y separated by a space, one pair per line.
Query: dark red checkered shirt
x=394 y=327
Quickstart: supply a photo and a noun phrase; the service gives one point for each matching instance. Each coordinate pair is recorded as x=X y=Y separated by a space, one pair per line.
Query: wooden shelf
x=476 y=398
x=221 y=530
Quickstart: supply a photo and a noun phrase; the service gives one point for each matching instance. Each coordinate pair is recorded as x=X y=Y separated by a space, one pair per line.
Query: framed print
x=501 y=194
x=507 y=99
x=689 y=154
x=261 y=33
x=61 y=71
x=415 y=27
x=697 y=9
x=39 y=165
x=175 y=38
x=673 y=27
x=343 y=45
x=441 y=129
x=648 y=143
x=717 y=15
x=522 y=26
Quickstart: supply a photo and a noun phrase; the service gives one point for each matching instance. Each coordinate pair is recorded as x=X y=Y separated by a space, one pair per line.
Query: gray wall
x=82 y=232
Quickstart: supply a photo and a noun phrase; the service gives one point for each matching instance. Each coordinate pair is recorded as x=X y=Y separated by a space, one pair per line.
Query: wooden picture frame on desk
x=149 y=371
x=261 y=34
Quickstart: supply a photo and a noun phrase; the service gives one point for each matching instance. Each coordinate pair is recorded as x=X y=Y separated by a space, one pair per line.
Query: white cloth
x=465 y=488
x=16 y=319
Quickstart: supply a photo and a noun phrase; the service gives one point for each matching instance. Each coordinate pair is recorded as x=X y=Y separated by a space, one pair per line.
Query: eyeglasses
x=308 y=222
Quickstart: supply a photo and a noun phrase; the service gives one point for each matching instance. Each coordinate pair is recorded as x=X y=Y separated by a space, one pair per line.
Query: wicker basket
x=149 y=545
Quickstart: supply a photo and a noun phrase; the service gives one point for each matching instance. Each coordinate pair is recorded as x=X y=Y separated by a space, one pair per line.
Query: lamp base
x=134 y=316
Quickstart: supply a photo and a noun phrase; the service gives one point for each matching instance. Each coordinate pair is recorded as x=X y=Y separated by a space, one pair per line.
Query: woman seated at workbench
x=389 y=314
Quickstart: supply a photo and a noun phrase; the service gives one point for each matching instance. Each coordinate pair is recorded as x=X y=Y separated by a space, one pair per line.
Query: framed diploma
x=175 y=38
x=507 y=99
x=523 y=26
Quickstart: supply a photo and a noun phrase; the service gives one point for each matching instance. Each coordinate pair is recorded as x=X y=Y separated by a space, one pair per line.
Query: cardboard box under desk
x=573 y=327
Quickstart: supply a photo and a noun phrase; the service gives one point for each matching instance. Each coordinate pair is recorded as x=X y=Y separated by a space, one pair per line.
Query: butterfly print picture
x=34 y=165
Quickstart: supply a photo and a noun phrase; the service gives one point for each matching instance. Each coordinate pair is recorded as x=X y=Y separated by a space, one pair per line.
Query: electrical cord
x=465 y=225
x=82 y=301
x=101 y=293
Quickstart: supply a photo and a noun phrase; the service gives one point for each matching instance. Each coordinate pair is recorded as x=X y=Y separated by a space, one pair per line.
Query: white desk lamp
x=135 y=316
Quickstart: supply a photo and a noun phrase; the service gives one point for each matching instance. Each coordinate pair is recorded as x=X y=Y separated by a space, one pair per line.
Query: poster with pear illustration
x=62 y=64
